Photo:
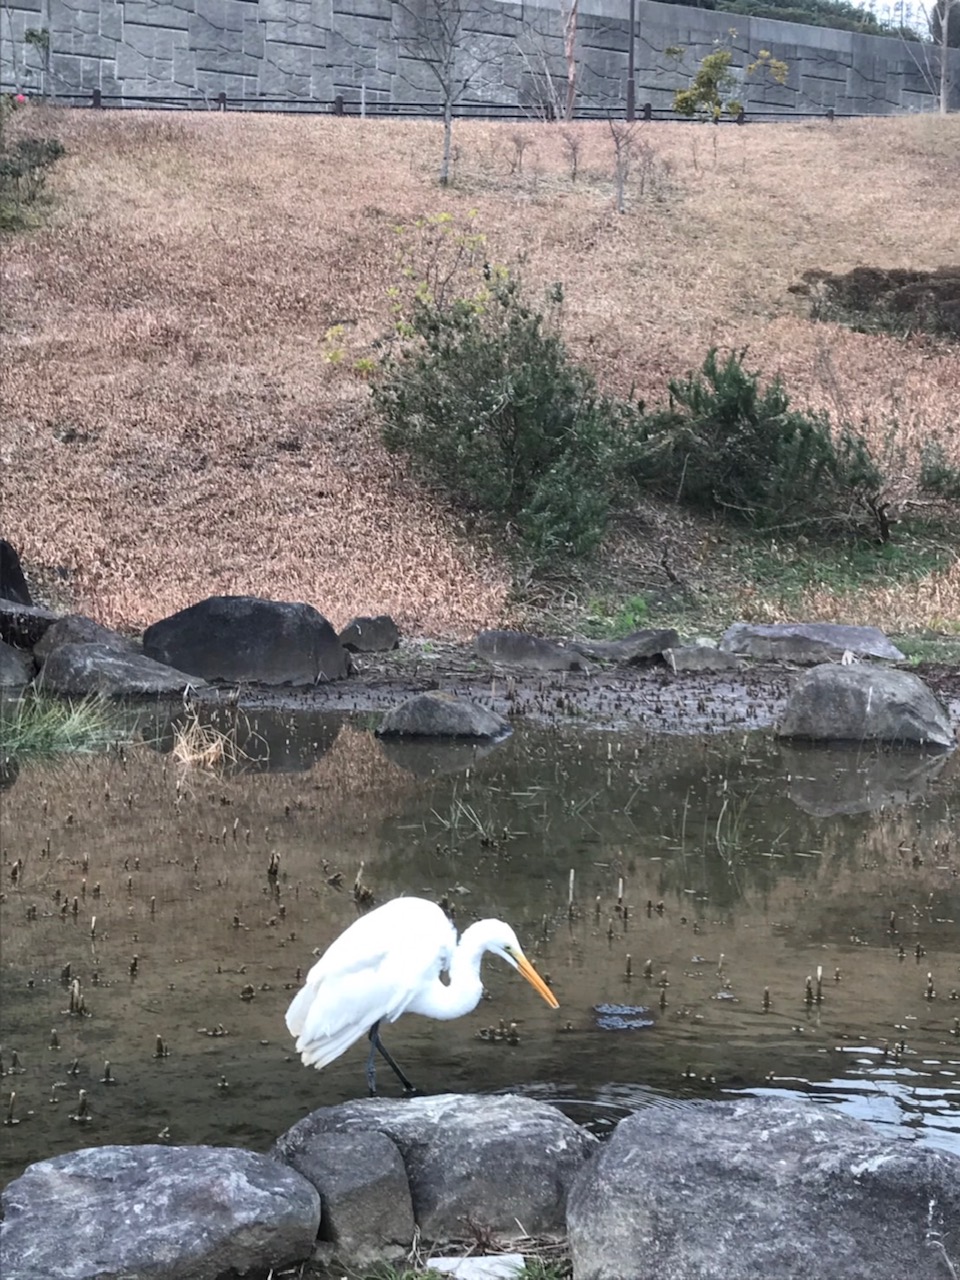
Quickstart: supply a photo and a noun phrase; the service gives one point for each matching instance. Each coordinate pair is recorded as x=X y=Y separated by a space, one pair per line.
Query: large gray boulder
x=488 y=1160
x=155 y=1213
x=16 y=667
x=442 y=715
x=762 y=1189
x=13 y=585
x=367 y=1213
x=370 y=635
x=75 y=628
x=82 y=670
x=865 y=703
x=517 y=649
x=807 y=642
x=638 y=646
x=244 y=639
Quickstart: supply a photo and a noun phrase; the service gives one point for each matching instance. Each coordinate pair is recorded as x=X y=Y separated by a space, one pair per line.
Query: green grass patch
x=785 y=571
x=39 y=726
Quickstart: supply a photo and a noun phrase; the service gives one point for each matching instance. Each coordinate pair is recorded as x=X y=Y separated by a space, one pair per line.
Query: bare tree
x=569 y=16
x=624 y=138
x=940 y=19
x=434 y=33
x=551 y=98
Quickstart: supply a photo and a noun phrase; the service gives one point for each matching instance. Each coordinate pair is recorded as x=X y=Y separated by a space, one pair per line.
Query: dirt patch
x=649 y=698
x=873 y=299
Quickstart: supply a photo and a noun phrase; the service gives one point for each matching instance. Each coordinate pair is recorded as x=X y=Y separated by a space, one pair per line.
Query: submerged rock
x=440 y=715
x=760 y=1189
x=861 y=703
x=156 y=1213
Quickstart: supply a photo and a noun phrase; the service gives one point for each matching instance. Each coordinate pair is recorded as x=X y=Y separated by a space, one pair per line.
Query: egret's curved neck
x=463 y=992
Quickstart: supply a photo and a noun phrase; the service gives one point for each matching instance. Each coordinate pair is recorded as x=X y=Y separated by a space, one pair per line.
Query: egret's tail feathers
x=317 y=1051
x=299 y=1008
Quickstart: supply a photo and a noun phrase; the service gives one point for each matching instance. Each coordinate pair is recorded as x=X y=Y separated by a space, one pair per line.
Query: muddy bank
x=652 y=698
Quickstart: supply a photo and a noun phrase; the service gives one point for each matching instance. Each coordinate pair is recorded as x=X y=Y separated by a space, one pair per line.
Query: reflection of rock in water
x=9 y=772
x=265 y=741
x=825 y=781
x=431 y=757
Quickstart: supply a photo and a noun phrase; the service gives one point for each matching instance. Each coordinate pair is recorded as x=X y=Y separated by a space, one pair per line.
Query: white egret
x=389 y=962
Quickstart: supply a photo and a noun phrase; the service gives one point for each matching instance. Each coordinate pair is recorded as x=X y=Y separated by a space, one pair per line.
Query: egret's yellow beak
x=538 y=984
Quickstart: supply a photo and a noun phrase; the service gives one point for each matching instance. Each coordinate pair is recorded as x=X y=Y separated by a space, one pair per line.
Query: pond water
x=681 y=895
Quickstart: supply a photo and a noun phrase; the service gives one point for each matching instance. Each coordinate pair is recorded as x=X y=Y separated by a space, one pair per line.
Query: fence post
x=741 y=116
x=830 y=114
x=97 y=100
x=338 y=105
x=648 y=111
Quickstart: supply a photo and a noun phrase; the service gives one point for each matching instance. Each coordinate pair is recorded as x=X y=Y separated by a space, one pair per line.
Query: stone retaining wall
x=317 y=49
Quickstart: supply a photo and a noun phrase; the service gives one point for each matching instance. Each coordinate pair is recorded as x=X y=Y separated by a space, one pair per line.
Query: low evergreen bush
x=483 y=397
x=728 y=446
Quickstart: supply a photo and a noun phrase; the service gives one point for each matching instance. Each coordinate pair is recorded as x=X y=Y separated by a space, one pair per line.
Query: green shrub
x=24 y=167
x=727 y=446
x=937 y=476
x=484 y=399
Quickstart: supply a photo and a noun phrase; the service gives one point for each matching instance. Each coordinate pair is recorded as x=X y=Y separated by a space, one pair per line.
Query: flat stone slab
x=155 y=1213
x=860 y=703
x=702 y=657
x=517 y=649
x=23 y=624
x=807 y=642
x=639 y=646
x=762 y=1189
x=83 y=670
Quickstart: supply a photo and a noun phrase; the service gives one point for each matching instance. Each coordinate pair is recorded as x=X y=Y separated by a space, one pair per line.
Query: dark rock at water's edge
x=807 y=643
x=865 y=703
x=155 y=1213
x=22 y=625
x=638 y=646
x=371 y=635
x=442 y=715
x=13 y=585
x=75 y=628
x=762 y=1189
x=16 y=667
x=82 y=670
x=517 y=649
x=489 y=1159
x=245 y=639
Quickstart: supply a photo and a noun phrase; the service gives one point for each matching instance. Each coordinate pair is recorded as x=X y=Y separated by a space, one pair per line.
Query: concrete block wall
x=315 y=49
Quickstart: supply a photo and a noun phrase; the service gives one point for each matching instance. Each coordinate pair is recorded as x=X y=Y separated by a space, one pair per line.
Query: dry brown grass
x=173 y=316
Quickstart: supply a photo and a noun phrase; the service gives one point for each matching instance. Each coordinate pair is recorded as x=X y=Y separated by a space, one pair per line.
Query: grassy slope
x=170 y=325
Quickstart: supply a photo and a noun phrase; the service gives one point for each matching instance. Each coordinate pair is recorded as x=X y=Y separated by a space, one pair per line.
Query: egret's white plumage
x=389 y=962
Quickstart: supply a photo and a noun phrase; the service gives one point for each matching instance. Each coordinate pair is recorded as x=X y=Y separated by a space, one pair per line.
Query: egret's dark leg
x=377 y=1046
